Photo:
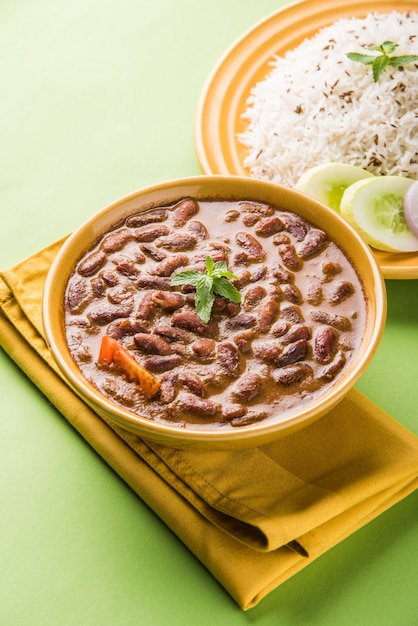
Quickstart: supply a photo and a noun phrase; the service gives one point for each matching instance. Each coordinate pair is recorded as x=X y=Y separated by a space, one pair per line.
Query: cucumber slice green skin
x=327 y=182
x=374 y=206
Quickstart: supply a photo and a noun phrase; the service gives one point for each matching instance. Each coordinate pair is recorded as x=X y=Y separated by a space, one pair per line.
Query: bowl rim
x=252 y=434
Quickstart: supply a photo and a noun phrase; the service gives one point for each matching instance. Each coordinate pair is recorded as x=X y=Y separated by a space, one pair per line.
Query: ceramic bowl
x=226 y=188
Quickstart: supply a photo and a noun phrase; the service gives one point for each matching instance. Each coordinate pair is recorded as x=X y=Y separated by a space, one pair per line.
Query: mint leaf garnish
x=214 y=281
x=204 y=298
x=380 y=62
x=188 y=277
x=366 y=59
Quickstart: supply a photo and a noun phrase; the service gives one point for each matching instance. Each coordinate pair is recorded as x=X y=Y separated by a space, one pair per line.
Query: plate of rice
x=285 y=97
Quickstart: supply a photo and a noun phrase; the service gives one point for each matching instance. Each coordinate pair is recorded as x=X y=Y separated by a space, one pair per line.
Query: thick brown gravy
x=301 y=317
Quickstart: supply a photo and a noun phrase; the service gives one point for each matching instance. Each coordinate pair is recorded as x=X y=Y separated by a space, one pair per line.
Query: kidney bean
x=116 y=241
x=331 y=269
x=220 y=245
x=151 y=344
x=250 y=418
x=229 y=358
x=330 y=372
x=281 y=239
x=168 y=389
x=232 y=309
x=153 y=282
x=121 y=391
x=336 y=321
x=138 y=257
x=92 y=263
x=326 y=339
x=314 y=242
x=203 y=347
x=250 y=219
x=198 y=230
x=198 y=405
x=104 y=313
x=98 y=286
x=282 y=275
x=314 y=295
x=240 y=258
x=255 y=207
x=127 y=269
x=219 y=304
x=259 y=273
x=179 y=242
x=169 y=265
x=280 y=328
x=192 y=382
x=243 y=341
x=232 y=215
x=147 y=217
x=122 y=327
x=168 y=299
x=173 y=334
x=247 y=387
x=244 y=277
x=294 y=352
x=145 y=306
x=233 y=411
x=80 y=350
x=291 y=374
x=289 y=257
x=267 y=314
x=295 y=225
x=146 y=234
x=341 y=292
x=251 y=245
x=119 y=258
x=189 y=290
x=189 y=320
x=120 y=295
x=267 y=351
x=183 y=211
x=160 y=363
x=181 y=349
x=152 y=251
x=253 y=296
x=296 y=333
x=110 y=278
x=292 y=293
x=190 y=298
x=82 y=322
x=275 y=292
x=243 y=320
x=78 y=295
x=217 y=255
x=292 y=314
x=269 y=226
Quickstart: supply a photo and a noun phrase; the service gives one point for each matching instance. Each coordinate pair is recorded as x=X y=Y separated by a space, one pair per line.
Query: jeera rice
x=317 y=106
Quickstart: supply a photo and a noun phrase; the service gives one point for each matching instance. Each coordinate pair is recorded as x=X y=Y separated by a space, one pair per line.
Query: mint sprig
x=380 y=62
x=214 y=281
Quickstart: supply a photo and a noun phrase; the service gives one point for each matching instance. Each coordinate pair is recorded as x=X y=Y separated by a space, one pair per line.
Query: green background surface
x=98 y=98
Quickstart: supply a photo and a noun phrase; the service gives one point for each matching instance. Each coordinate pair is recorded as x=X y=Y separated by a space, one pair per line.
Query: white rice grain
x=317 y=106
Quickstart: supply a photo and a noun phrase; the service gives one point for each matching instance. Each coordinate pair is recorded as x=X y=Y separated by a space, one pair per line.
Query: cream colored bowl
x=222 y=188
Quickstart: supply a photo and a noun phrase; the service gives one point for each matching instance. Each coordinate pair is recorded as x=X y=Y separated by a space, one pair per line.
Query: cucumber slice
x=374 y=206
x=328 y=181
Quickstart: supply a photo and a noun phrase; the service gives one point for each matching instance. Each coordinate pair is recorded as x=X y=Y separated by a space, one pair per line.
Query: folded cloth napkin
x=253 y=517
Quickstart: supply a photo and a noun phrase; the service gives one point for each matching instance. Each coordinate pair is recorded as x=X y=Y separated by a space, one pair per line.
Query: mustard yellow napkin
x=254 y=517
